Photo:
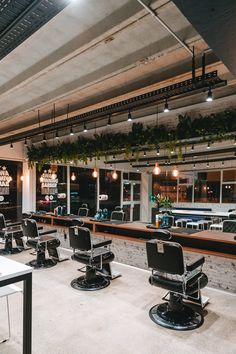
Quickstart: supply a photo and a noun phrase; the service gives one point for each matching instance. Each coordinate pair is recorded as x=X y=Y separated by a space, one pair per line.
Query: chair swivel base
x=183 y=320
x=6 y=251
x=97 y=283
x=47 y=263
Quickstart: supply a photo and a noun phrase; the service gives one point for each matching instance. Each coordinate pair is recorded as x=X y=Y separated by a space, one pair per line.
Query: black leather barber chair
x=83 y=211
x=229 y=226
x=118 y=214
x=41 y=241
x=9 y=232
x=163 y=235
x=184 y=282
x=96 y=257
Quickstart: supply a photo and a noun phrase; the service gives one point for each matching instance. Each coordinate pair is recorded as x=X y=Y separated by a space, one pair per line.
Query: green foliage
x=214 y=127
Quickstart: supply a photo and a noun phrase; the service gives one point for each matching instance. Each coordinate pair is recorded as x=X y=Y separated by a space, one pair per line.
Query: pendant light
x=85 y=128
x=114 y=175
x=166 y=106
x=209 y=96
x=156 y=170
x=95 y=172
x=109 y=120
x=129 y=119
x=73 y=176
x=175 y=172
x=71 y=131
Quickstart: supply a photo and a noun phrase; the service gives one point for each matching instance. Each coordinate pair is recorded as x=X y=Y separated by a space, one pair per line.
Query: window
x=83 y=190
x=165 y=185
x=207 y=187
x=185 y=192
x=51 y=188
x=111 y=188
x=229 y=186
x=11 y=189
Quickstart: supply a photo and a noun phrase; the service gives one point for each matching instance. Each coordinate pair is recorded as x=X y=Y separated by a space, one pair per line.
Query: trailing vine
x=213 y=127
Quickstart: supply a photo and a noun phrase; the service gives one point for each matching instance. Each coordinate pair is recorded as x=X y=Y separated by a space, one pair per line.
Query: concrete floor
x=114 y=320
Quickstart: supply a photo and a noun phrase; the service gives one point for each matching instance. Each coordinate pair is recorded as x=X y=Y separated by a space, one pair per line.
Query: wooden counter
x=212 y=242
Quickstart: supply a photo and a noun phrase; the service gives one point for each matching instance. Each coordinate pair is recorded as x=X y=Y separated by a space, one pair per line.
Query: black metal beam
x=183 y=88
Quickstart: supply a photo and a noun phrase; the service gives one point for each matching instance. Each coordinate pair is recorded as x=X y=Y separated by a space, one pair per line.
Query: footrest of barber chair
x=201 y=302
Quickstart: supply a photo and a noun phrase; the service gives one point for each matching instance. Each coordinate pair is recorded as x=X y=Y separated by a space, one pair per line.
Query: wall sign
x=5 y=180
x=49 y=182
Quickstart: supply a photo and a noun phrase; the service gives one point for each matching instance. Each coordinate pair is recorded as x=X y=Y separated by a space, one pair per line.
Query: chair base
x=183 y=320
x=97 y=283
x=47 y=263
x=5 y=252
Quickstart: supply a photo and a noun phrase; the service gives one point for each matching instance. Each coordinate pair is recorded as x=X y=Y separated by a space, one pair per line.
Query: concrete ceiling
x=97 y=52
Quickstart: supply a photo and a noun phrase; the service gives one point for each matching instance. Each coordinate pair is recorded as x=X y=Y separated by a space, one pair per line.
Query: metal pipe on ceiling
x=154 y=14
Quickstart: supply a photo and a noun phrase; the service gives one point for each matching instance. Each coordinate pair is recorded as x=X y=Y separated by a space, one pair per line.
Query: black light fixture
x=144 y=153
x=109 y=120
x=223 y=163
x=192 y=148
x=129 y=119
x=113 y=157
x=194 y=165
x=208 y=164
x=235 y=154
x=147 y=163
x=57 y=137
x=71 y=131
x=44 y=138
x=209 y=95
x=132 y=154
x=85 y=128
x=11 y=146
x=166 y=106
x=158 y=151
x=25 y=143
x=208 y=145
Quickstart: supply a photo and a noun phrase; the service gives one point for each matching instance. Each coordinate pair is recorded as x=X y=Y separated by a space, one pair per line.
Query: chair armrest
x=195 y=264
x=47 y=232
x=102 y=244
x=17 y=223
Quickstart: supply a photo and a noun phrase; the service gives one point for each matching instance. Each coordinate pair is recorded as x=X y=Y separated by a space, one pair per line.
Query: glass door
x=131 y=199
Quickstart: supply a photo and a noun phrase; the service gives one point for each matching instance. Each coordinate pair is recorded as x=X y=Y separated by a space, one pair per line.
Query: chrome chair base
x=184 y=319
x=47 y=263
x=97 y=283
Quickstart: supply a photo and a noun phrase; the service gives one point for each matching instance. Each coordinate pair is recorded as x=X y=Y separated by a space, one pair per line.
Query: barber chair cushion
x=85 y=258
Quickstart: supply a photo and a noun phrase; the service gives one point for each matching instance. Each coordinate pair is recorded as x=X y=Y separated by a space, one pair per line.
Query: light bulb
x=54 y=175
x=114 y=174
x=73 y=176
x=175 y=172
x=95 y=173
x=22 y=178
x=156 y=170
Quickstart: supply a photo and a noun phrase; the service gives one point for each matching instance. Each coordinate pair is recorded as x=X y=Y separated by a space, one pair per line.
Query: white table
x=201 y=213
x=13 y=272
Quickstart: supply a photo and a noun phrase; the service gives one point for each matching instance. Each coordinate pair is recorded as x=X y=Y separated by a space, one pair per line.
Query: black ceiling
x=19 y=19
x=215 y=21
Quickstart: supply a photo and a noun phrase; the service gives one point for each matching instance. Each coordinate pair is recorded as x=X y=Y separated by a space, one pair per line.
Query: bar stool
x=182 y=222
x=194 y=225
x=5 y=291
x=216 y=227
x=205 y=224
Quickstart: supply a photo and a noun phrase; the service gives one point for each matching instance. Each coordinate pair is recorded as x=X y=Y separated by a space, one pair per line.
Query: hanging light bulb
x=144 y=153
x=95 y=172
x=44 y=138
x=57 y=137
x=25 y=143
x=109 y=121
x=158 y=151
x=11 y=146
x=85 y=128
x=129 y=119
x=22 y=178
x=209 y=96
x=175 y=172
x=73 y=176
x=208 y=145
x=71 y=131
x=114 y=175
x=156 y=170
x=192 y=148
x=166 y=106
x=41 y=179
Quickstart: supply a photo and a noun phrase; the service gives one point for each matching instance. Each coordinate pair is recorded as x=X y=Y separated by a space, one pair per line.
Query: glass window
x=83 y=190
x=51 y=188
x=185 y=193
x=165 y=185
x=207 y=187
x=186 y=178
x=126 y=191
x=136 y=212
x=132 y=176
x=136 y=191
x=111 y=188
x=229 y=176
x=11 y=189
x=229 y=193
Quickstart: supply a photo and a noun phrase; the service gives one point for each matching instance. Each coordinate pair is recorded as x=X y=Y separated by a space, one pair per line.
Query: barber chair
x=10 y=231
x=229 y=226
x=83 y=211
x=118 y=214
x=96 y=257
x=183 y=282
x=41 y=241
x=163 y=235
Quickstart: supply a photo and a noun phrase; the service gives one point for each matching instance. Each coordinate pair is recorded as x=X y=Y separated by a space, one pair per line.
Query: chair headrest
x=84 y=205
x=118 y=208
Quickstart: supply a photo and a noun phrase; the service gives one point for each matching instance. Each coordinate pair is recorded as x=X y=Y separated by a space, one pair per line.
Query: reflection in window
x=51 y=190
x=207 y=187
x=185 y=193
x=111 y=188
x=83 y=190
x=165 y=185
x=11 y=189
x=229 y=193
x=229 y=176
